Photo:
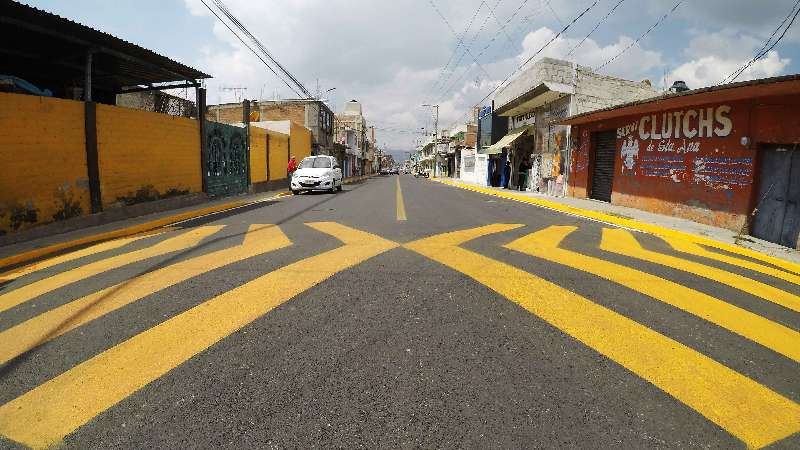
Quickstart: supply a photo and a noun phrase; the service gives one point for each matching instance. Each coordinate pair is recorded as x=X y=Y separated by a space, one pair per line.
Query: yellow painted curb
x=122 y=232
x=632 y=224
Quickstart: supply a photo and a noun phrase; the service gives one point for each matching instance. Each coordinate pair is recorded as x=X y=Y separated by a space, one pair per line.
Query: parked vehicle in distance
x=385 y=171
x=317 y=173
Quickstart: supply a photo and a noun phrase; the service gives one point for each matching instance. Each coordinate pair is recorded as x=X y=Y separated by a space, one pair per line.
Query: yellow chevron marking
x=51 y=324
x=746 y=409
x=33 y=290
x=43 y=416
x=623 y=243
x=544 y=244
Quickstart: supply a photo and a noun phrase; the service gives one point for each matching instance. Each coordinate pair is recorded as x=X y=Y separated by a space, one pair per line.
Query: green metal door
x=226 y=151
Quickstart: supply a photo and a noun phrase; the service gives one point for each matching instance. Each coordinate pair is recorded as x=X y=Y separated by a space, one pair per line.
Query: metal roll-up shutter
x=605 y=146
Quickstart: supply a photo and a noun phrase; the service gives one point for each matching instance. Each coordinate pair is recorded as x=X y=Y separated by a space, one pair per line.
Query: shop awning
x=506 y=140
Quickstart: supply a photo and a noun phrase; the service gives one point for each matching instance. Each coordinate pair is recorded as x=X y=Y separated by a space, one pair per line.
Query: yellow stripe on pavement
x=42 y=417
x=401 y=207
x=623 y=243
x=72 y=256
x=746 y=409
x=544 y=244
x=692 y=248
x=33 y=290
x=51 y=324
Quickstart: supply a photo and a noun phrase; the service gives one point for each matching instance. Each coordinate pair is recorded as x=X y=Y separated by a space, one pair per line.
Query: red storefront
x=711 y=155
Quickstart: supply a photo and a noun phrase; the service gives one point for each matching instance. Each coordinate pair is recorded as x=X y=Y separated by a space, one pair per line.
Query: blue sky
x=391 y=55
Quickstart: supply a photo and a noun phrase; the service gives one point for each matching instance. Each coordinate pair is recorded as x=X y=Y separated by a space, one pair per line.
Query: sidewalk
x=22 y=252
x=644 y=221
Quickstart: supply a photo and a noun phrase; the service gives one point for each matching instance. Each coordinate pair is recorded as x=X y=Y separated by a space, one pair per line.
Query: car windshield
x=315 y=163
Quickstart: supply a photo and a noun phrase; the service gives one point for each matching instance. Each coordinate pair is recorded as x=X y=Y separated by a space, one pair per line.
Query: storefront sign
x=669 y=145
x=485 y=111
x=529 y=118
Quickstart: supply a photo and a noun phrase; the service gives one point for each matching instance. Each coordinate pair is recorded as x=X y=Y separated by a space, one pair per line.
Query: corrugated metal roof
x=48 y=48
x=673 y=99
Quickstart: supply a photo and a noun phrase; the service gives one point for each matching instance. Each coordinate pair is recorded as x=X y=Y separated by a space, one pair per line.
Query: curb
x=19 y=258
x=631 y=224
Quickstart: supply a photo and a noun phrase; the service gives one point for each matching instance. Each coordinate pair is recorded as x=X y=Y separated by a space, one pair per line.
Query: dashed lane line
x=401 y=207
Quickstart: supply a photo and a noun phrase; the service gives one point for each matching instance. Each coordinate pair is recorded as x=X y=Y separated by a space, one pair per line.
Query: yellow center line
x=544 y=244
x=42 y=417
x=746 y=409
x=692 y=248
x=33 y=290
x=259 y=239
x=401 y=207
x=623 y=243
x=92 y=250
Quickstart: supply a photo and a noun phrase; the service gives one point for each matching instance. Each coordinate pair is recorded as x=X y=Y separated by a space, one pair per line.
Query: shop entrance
x=605 y=146
x=778 y=202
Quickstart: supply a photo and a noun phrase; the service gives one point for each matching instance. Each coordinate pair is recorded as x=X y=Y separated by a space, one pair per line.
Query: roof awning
x=542 y=94
x=506 y=140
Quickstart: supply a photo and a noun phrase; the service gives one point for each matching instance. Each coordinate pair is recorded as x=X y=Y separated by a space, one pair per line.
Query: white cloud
x=710 y=70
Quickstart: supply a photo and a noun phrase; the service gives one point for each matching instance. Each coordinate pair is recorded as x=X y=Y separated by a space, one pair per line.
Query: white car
x=317 y=173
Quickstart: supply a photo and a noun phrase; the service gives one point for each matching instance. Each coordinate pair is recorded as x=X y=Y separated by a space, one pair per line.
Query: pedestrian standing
x=290 y=169
x=522 y=177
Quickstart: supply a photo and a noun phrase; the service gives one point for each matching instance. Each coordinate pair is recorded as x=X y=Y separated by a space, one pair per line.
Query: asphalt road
x=399 y=313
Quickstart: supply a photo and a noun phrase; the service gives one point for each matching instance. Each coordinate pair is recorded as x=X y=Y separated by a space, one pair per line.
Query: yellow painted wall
x=43 y=159
x=278 y=155
x=300 y=137
x=139 y=148
x=258 y=154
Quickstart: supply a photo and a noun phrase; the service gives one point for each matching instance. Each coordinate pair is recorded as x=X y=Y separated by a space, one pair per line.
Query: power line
x=261 y=47
x=572 y=50
x=566 y=27
x=652 y=27
x=472 y=41
x=249 y=48
x=447 y=22
x=767 y=47
x=483 y=50
x=458 y=45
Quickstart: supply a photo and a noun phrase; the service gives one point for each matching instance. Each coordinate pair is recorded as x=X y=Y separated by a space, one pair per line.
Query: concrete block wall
x=546 y=69
x=144 y=150
x=595 y=91
x=43 y=155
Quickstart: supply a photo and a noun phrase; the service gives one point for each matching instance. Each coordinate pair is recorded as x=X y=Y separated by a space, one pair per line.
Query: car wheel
x=294 y=192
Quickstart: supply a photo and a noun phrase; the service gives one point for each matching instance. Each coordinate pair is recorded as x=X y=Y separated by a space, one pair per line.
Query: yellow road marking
x=544 y=244
x=51 y=324
x=33 y=290
x=92 y=250
x=622 y=242
x=692 y=248
x=746 y=409
x=401 y=207
x=630 y=223
x=43 y=416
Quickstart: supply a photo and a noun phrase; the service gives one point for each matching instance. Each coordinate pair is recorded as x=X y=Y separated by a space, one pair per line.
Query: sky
x=395 y=55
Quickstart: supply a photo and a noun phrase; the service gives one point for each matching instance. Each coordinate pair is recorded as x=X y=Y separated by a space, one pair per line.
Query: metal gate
x=778 y=203
x=226 y=159
x=605 y=149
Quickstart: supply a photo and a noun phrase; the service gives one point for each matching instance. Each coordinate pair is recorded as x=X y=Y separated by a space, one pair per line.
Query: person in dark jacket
x=522 y=177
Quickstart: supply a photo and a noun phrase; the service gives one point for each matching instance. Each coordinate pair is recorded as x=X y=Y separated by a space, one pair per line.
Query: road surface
x=399 y=313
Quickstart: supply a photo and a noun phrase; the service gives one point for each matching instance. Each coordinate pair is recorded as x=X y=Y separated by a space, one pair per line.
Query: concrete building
x=535 y=103
x=725 y=156
x=312 y=114
x=351 y=130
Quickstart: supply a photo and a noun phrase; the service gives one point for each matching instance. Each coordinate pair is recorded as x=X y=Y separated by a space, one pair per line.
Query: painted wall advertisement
x=682 y=147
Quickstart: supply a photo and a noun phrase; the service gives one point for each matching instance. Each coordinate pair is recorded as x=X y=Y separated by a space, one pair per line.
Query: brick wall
x=144 y=150
x=43 y=155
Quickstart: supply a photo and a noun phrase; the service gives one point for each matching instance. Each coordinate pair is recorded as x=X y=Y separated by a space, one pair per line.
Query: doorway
x=777 y=216
x=605 y=149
